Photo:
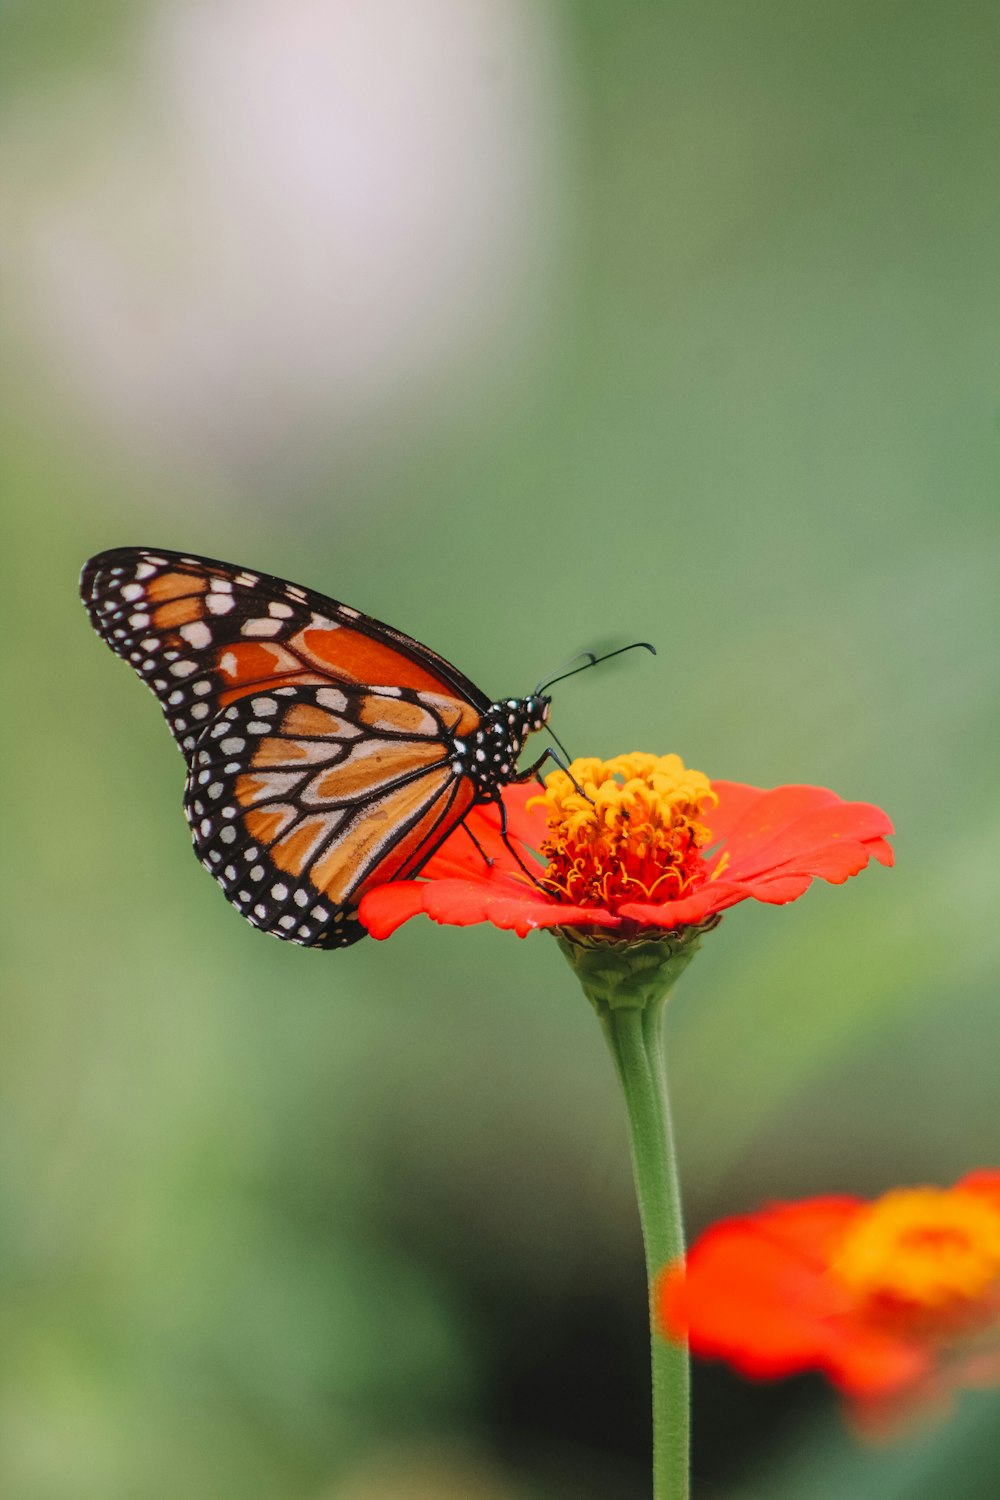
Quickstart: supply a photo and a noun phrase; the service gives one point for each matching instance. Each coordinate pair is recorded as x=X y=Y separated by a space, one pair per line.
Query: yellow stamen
x=925 y=1246
x=632 y=832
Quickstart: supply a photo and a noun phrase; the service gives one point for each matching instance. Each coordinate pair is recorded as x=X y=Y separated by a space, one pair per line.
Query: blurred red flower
x=635 y=846
x=895 y=1301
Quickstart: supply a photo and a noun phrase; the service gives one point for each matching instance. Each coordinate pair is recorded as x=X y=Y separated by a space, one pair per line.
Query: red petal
x=986 y=1181
x=458 y=855
x=753 y=1295
x=807 y=827
x=735 y=799
x=527 y=824
x=882 y=851
x=757 y=1294
x=459 y=903
x=777 y=843
x=387 y=907
x=868 y=1364
x=713 y=896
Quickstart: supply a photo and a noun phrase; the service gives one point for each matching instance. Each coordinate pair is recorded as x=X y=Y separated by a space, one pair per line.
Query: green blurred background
x=523 y=326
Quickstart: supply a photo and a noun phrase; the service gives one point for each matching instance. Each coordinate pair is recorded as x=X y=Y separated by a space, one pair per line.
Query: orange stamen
x=632 y=832
x=925 y=1247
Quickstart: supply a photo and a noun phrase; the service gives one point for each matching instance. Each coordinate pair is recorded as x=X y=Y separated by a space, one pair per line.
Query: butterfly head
x=536 y=710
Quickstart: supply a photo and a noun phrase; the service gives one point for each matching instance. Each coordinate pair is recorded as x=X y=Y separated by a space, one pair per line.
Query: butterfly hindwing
x=300 y=795
x=202 y=634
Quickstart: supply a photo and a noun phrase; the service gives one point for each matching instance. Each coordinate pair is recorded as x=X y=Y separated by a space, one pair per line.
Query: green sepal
x=631 y=974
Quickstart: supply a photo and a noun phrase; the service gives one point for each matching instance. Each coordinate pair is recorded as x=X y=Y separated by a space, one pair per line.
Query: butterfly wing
x=202 y=634
x=319 y=742
x=302 y=797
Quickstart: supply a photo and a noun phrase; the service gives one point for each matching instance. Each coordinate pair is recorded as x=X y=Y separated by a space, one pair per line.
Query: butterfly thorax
x=489 y=756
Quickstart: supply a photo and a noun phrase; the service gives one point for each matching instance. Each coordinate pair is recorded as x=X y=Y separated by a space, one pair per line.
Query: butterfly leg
x=534 y=772
x=531 y=874
x=486 y=858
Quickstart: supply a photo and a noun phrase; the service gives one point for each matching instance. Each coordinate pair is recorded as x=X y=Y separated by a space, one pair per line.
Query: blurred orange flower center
x=925 y=1246
x=626 y=829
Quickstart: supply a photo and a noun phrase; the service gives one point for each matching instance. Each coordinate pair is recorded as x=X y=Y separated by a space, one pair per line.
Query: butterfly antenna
x=594 y=661
x=577 y=656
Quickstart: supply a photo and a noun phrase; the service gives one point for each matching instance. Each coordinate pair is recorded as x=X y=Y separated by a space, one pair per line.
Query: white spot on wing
x=261 y=626
x=220 y=604
x=196 y=634
x=332 y=698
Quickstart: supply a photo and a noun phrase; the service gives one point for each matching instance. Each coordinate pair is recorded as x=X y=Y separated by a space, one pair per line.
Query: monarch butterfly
x=326 y=752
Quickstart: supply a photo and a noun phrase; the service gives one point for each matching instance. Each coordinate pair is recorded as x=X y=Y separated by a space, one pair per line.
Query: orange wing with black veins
x=202 y=634
x=302 y=797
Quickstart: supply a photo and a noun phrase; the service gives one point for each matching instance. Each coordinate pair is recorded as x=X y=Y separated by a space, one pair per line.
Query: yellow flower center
x=929 y=1247
x=626 y=829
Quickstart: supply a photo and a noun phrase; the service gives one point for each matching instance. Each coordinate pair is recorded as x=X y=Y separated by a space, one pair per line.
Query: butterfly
x=326 y=752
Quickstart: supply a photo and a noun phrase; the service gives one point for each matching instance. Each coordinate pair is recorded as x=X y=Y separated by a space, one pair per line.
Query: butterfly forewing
x=202 y=634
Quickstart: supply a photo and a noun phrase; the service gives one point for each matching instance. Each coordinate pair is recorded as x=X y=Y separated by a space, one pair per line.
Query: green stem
x=628 y=983
x=633 y=1034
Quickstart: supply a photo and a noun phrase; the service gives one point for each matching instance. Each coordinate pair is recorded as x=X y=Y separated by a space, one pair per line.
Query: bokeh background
x=524 y=326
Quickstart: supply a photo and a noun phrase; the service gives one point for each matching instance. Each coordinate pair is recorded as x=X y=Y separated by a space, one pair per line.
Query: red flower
x=895 y=1301
x=634 y=844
